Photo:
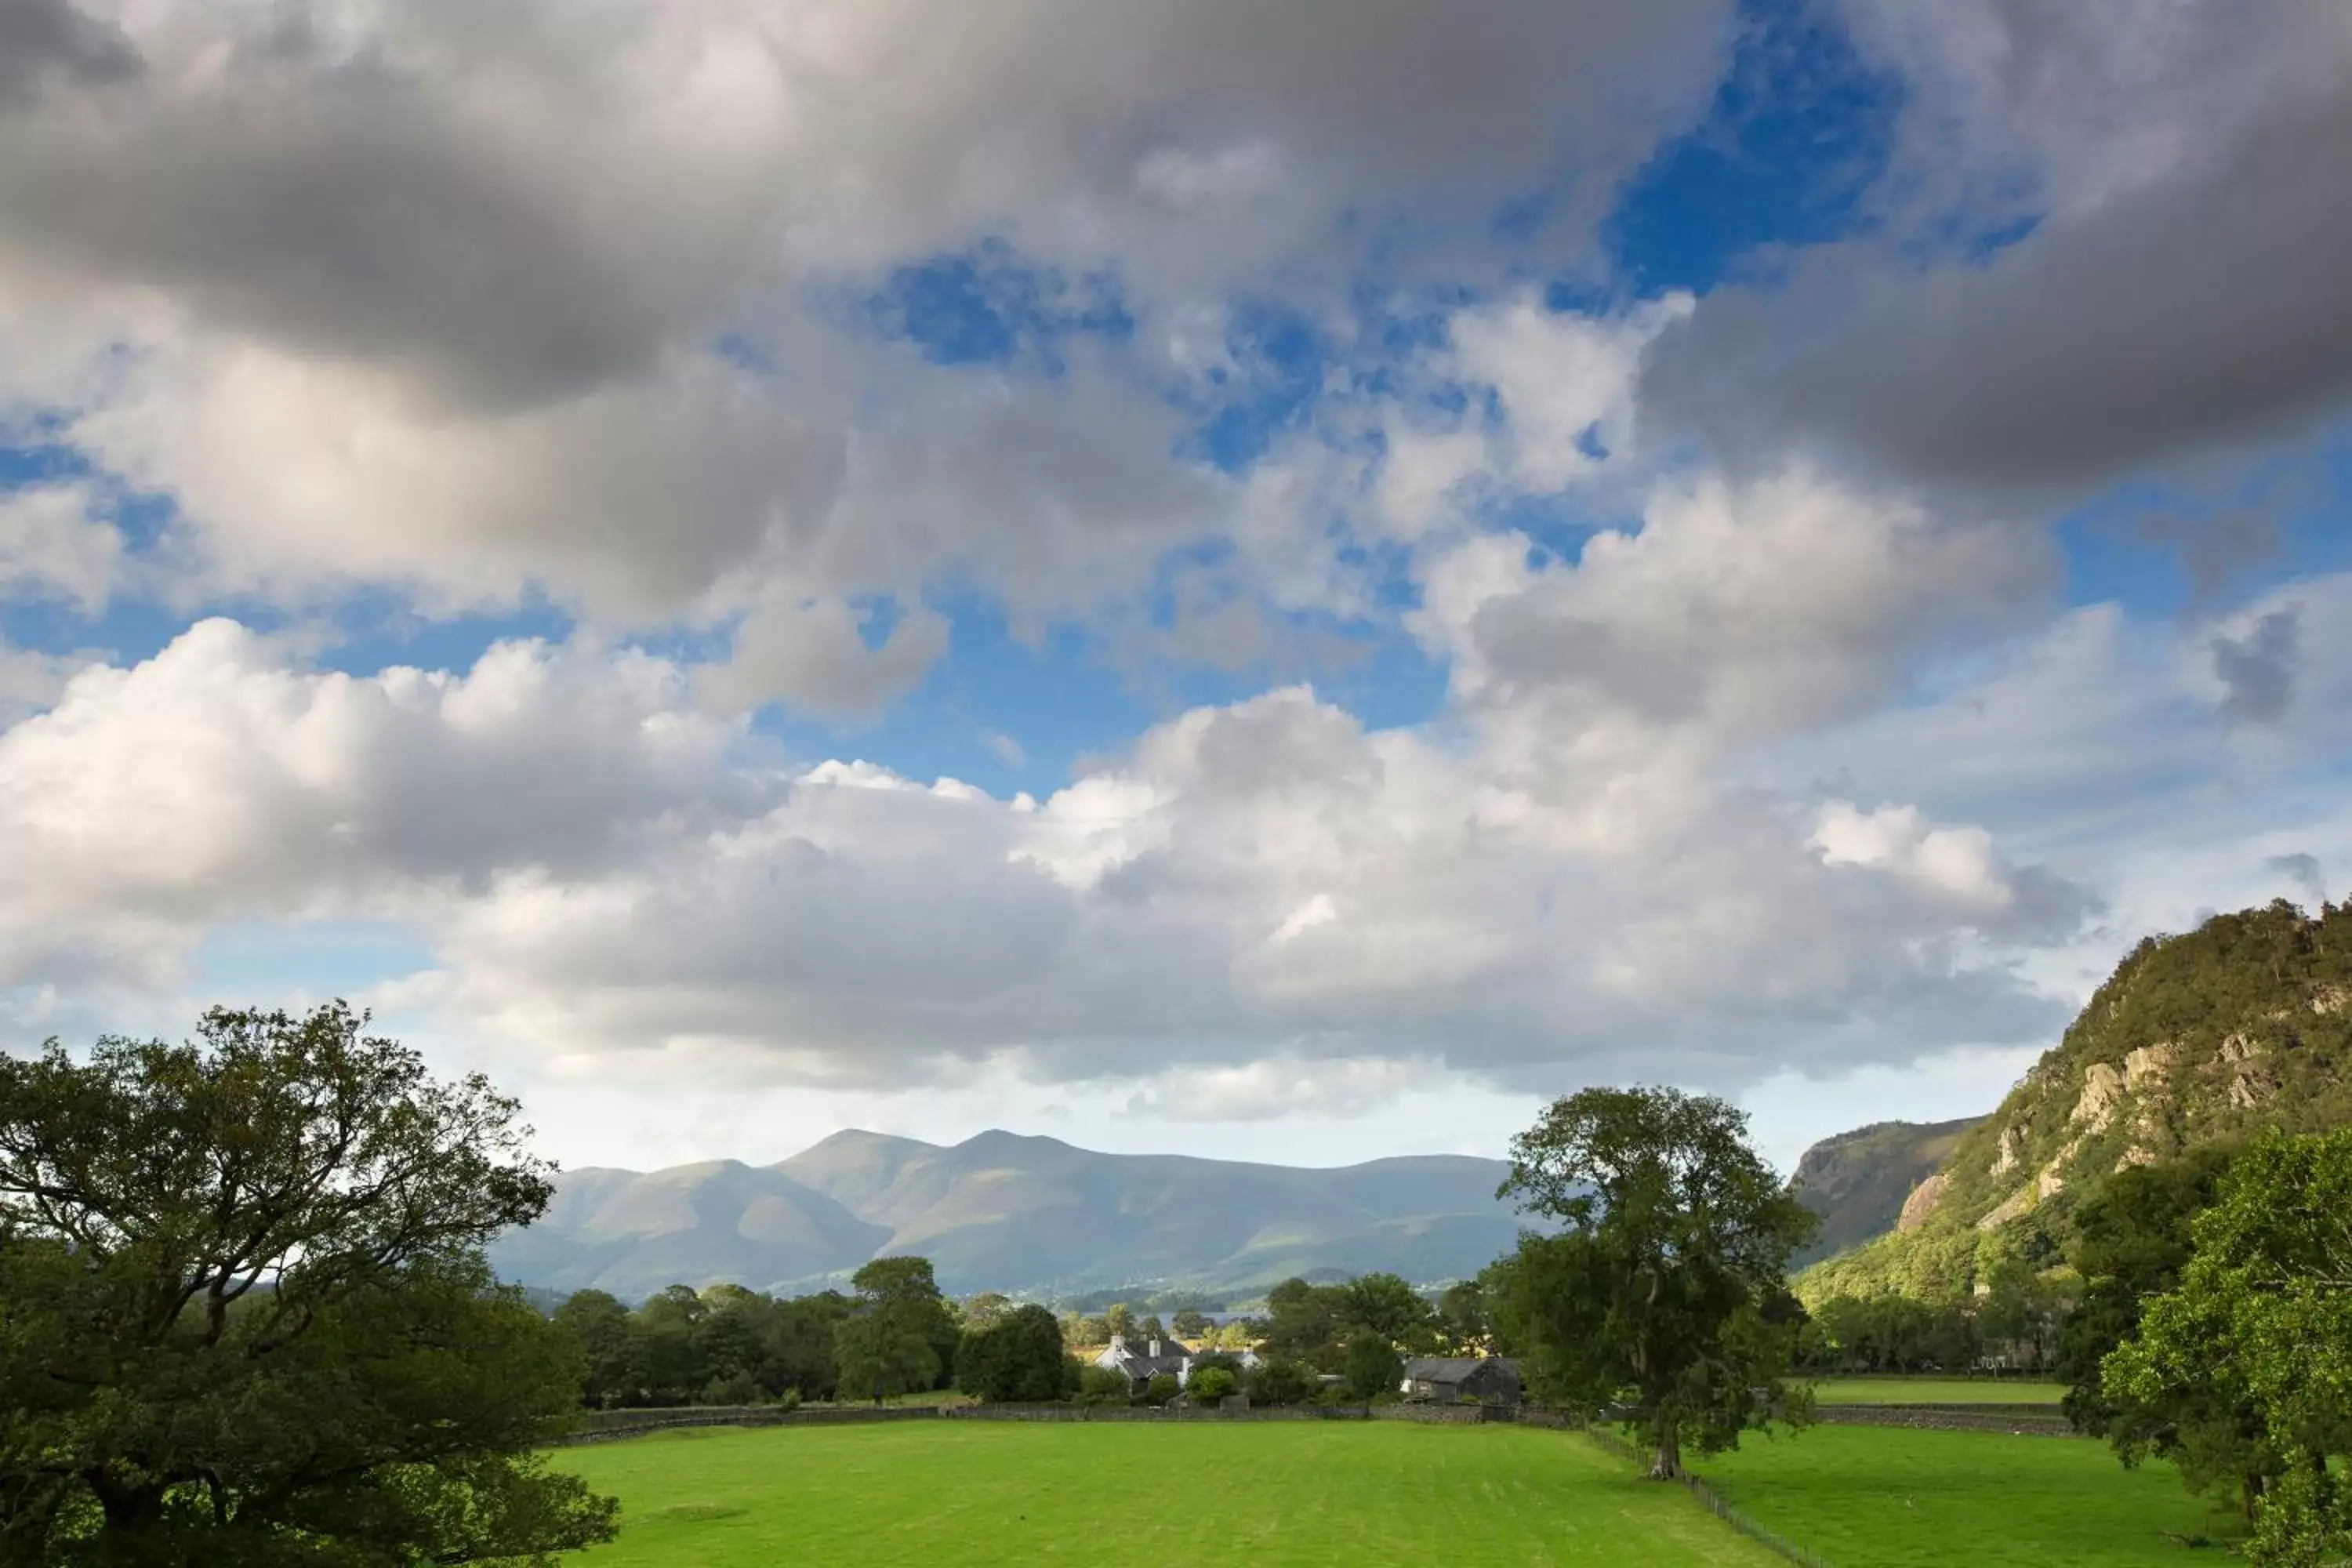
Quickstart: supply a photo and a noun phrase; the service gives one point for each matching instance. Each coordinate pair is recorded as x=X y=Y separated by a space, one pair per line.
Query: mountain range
x=1027 y=1215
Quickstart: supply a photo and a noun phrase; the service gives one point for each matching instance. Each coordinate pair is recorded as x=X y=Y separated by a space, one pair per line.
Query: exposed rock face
x=1923 y=1201
x=2149 y=1062
x=2012 y=1149
x=2330 y=1000
x=2103 y=1091
x=2008 y=1209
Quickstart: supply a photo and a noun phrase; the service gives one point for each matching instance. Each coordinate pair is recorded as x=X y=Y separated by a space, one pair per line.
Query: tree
x=2133 y=1239
x=1279 y=1382
x=1209 y=1385
x=1373 y=1367
x=1162 y=1388
x=1018 y=1360
x=598 y=1321
x=1665 y=1285
x=889 y=1344
x=1190 y=1324
x=985 y=1310
x=1118 y=1321
x=1306 y=1323
x=800 y=1347
x=2261 y=1326
x=1461 y=1317
x=1385 y=1305
x=245 y=1315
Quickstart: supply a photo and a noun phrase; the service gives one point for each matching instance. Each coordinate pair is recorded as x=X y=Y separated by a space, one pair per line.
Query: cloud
x=1742 y=609
x=475 y=307
x=600 y=868
x=2304 y=870
x=2258 y=669
x=52 y=545
x=815 y=655
x=45 y=38
x=2176 y=292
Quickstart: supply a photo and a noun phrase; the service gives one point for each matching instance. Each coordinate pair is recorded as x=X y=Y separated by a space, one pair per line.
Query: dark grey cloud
x=2186 y=314
x=2259 y=667
x=40 y=38
x=2212 y=550
x=2304 y=870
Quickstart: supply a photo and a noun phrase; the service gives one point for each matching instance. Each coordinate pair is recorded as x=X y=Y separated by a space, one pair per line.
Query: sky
x=1283 y=583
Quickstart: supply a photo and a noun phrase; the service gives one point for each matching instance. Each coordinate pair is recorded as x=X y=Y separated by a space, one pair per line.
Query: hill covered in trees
x=1857 y=1182
x=1000 y=1211
x=2202 y=1038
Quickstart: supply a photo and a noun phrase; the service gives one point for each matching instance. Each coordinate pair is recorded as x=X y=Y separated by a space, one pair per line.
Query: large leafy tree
x=2136 y=1236
x=889 y=1343
x=1663 y=1290
x=244 y=1311
x=2262 y=1323
x=1017 y=1359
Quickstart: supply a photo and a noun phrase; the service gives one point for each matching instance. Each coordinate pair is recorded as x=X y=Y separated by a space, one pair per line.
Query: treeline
x=2016 y=1325
x=896 y=1333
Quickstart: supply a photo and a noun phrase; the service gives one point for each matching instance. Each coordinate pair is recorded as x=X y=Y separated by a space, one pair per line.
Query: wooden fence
x=1771 y=1541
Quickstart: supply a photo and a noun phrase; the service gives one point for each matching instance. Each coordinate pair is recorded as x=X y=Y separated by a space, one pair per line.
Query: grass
x=1935 y=1390
x=1898 y=1498
x=1271 y=1495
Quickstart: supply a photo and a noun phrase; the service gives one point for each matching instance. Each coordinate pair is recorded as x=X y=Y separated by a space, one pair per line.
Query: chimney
x=1118 y=1341
x=1158 y=1349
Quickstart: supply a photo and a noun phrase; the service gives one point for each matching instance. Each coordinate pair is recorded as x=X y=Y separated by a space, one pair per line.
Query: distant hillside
x=1005 y=1212
x=1857 y=1181
x=2244 y=1023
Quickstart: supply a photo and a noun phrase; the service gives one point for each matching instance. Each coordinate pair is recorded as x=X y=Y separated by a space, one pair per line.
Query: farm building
x=1462 y=1380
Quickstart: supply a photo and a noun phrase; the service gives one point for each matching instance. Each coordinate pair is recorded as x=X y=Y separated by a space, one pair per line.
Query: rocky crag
x=2242 y=1024
x=1859 y=1181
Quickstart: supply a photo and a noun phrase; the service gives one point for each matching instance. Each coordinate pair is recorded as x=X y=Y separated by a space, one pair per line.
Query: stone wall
x=2036 y=1420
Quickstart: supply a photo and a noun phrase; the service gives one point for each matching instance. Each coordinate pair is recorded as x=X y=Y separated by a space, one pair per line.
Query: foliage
x=1018 y=1360
x=1887 y=1334
x=889 y=1342
x=1665 y=1286
x=1373 y=1367
x=2261 y=1324
x=245 y=1315
x=985 y=1310
x=1189 y=1323
x=1278 y=1383
x=682 y=1344
x=1101 y=1385
x=1209 y=1384
x=1162 y=1388
x=1314 y=1324
x=2133 y=1238
x=1462 y=1326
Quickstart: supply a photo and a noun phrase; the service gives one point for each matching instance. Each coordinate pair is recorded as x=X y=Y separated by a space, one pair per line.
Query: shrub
x=1209 y=1385
x=1278 y=1383
x=741 y=1388
x=1161 y=1389
x=1100 y=1385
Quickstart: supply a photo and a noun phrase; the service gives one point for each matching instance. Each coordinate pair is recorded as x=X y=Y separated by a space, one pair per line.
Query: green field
x=954 y=1493
x=1896 y=1497
x=1935 y=1390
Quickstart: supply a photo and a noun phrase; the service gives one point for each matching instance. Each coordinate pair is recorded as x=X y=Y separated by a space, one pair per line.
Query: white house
x=1164 y=1356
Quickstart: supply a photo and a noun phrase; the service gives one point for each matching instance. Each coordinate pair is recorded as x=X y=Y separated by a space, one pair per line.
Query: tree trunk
x=1666 y=1461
